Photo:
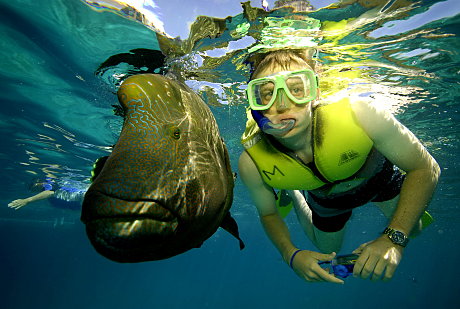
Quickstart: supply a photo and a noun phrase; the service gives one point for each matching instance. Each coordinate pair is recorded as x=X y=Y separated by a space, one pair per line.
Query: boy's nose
x=282 y=101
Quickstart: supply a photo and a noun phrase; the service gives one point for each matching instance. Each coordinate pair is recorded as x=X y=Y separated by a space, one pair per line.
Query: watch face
x=398 y=237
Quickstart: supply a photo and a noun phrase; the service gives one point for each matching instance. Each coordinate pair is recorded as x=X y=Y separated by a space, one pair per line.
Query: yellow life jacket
x=340 y=148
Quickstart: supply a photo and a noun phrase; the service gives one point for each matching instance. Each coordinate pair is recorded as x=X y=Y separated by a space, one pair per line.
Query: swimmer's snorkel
x=269 y=127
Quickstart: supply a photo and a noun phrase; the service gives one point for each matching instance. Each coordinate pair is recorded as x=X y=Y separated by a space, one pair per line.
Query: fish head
x=168 y=184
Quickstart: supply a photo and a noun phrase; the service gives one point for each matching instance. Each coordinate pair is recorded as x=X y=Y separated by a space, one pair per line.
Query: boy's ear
x=316 y=101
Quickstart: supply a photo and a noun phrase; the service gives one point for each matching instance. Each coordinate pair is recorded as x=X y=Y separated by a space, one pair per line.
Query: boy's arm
x=305 y=263
x=402 y=148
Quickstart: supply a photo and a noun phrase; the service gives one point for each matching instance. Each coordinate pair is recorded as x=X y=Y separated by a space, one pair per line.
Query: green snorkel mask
x=300 y=87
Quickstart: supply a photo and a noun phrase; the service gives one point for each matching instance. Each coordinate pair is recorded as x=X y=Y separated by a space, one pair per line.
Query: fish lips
x=129 y=231
x=98 y=206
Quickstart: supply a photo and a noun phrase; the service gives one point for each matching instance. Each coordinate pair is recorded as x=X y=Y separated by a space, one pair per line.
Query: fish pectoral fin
x=229 y=224
x=97 y=167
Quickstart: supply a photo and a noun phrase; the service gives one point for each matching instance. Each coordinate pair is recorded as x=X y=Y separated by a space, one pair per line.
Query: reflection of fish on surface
x=168 y=184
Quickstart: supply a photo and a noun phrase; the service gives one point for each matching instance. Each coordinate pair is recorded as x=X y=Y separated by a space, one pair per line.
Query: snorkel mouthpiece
x=269 y=127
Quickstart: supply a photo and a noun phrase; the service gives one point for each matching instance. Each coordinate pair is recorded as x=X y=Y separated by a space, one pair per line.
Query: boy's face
x=284 y=108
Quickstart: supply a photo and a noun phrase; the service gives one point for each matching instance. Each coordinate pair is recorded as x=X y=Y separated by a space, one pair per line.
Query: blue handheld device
x=342 y=265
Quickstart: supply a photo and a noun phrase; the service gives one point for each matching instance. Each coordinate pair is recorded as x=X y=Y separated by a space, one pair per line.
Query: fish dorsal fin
x=229 y=224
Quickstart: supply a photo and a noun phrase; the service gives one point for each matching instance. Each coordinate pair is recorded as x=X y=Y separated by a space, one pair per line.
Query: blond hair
x=283 y=58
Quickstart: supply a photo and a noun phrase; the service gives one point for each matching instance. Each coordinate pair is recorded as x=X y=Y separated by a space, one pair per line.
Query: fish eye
x=176 y=133
x=172 y=131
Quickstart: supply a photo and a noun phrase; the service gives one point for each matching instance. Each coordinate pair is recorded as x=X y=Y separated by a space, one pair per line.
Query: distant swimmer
x=168 y=184
x=67 y=194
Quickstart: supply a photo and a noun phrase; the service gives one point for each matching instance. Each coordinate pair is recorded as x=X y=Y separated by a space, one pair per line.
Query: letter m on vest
x=272 y=174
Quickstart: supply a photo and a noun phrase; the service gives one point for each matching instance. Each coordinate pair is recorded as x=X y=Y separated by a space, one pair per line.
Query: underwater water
x=57 y=119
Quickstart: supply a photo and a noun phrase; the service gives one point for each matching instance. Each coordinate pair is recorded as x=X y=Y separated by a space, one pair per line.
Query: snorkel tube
x=269 y=127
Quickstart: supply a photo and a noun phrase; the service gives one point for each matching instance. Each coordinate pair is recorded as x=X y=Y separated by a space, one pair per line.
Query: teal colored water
x=57 y=118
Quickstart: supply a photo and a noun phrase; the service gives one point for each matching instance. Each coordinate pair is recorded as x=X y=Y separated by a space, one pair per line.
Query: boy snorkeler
x=344 y=154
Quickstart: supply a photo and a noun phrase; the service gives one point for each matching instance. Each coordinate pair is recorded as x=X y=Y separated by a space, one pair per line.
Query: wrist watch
x=396 y=237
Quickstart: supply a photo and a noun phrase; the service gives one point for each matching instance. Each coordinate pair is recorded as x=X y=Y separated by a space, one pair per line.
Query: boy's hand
x=306 y=266
x=378 y=259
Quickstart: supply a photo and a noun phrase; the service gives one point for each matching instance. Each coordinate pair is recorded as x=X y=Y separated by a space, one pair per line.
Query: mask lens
x=263 y=93
x=299 y=86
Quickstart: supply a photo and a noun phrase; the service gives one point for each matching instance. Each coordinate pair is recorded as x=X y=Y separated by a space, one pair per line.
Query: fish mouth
x=127 y=230
x=99 y=206
x=122 y=218
x=126 y=226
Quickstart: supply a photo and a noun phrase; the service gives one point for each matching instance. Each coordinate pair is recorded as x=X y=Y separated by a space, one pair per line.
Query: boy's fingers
x=325 y=276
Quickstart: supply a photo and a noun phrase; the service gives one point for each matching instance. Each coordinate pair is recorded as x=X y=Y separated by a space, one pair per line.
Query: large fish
x=168 y=185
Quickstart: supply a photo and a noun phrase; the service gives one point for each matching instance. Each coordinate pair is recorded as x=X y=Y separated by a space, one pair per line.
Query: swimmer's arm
x=263 y=198
x=403 y=149
x=380 y=257
x=305 y=263
x=16 y=204
x=41 y=196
